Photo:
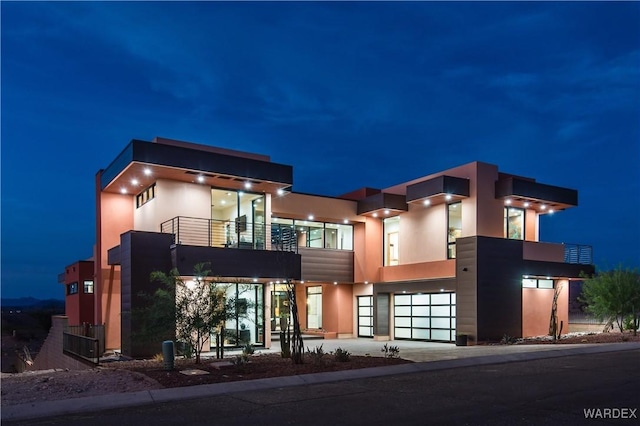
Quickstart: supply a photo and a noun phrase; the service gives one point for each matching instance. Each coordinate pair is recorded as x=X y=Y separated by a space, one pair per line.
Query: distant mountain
x=30 y=302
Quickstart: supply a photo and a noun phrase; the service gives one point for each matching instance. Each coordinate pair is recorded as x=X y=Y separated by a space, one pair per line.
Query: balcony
x=564 y=253
x=232 y=234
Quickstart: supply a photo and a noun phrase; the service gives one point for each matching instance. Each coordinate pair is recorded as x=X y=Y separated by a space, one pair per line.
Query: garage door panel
x=425 y=316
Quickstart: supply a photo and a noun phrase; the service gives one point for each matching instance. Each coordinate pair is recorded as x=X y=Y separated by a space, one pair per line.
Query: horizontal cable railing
x=238 y=234
x=579 y=254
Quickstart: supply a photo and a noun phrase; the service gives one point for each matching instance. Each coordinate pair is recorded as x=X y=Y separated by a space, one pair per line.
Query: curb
x=156 y=396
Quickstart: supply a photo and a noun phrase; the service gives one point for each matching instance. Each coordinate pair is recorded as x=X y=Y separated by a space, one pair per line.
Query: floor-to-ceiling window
x=247 y=325
x=237 y=219
x=280 y=309
x=391 y=227
x=314 y=307
x=454 y=227
x=513 y=223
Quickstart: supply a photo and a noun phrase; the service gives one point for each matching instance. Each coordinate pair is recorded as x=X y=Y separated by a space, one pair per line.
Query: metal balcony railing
x=84 y=341
x=237 y=234
x=579 y=254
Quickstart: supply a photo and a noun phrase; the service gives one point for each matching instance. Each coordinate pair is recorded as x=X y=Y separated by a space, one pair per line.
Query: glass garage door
x=365 y=316
x=425 y=316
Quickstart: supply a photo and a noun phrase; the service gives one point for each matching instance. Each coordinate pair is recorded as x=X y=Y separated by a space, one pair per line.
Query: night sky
x=349 y=94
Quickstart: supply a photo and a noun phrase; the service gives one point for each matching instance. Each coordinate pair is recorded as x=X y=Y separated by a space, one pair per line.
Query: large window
x=513 y=223
x=391 y=227
x=311 y=234
x=248 y=324
x=238 y=219
x=314 y=307
x=454 y=227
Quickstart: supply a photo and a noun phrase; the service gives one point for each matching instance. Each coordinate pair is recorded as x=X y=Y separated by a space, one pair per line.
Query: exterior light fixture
x=426 y=202
x=366 y=282
x=200 y=178
x=551 y=211
x=123 y=191
x=255 y=280
x=386 y=211
x=507 y=201
x=310 y=217
x=247 y=185
x=543 y=207
x=302 y=282
x=447 y=197
x=335 y=283
x=147 y=172
x=280 y=191
x=526 y=205
x=345 y=221
x=134 y=181
x=375 y=215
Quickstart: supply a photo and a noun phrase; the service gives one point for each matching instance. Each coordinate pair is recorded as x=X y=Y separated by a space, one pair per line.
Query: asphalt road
x=553 y=391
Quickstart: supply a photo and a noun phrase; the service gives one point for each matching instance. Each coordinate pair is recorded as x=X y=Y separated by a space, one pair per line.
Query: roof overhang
x=141 y=163
x=438 y=190
x=382 y=204
x=527 y=193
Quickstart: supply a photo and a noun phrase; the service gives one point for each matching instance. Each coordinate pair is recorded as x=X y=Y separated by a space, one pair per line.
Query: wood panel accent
x=326 y=265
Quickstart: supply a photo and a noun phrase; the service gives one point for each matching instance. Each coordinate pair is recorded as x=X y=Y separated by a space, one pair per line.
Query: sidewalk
x=427 y=357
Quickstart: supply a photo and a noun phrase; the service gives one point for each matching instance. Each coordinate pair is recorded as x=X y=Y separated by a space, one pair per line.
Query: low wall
x=51 y=355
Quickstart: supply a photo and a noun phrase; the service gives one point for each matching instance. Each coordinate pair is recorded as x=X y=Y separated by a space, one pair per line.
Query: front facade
x=452 y=252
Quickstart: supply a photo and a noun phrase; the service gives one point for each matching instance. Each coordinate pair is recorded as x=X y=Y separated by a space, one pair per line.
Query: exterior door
x=365 y=316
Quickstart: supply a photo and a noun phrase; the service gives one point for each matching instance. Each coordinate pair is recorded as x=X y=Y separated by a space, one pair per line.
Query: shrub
x=248 y=349
x=239 y=361
x=341 y=355
x=508 y=340
x=316 y=354
x=391 y=351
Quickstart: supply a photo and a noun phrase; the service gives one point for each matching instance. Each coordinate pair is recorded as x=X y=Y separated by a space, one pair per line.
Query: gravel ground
x=132 y=376
x=48 y=385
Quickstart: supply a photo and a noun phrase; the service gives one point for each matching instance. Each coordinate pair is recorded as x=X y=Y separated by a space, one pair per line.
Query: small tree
x=613 y=295
x=555 y=329
x=200 y=306
x=297 y=344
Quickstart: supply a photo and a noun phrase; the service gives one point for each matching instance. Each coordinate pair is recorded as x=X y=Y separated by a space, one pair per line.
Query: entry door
x=425 y=316
x=365 y=316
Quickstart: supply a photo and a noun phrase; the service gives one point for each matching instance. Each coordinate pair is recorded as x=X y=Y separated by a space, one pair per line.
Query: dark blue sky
x=349 y=94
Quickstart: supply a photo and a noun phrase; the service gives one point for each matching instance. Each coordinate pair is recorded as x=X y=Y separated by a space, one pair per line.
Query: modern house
x=453 y=252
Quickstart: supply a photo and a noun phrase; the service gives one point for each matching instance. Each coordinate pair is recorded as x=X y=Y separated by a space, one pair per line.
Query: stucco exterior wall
x=536 y=309
x=326 y=209
x=172 y=199
x=367 y=257
x=423 y=234
x=419 y=271
x=114 y=217
x=337 y=308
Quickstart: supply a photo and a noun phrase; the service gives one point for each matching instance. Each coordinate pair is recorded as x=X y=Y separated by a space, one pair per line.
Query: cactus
x=285 y=343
